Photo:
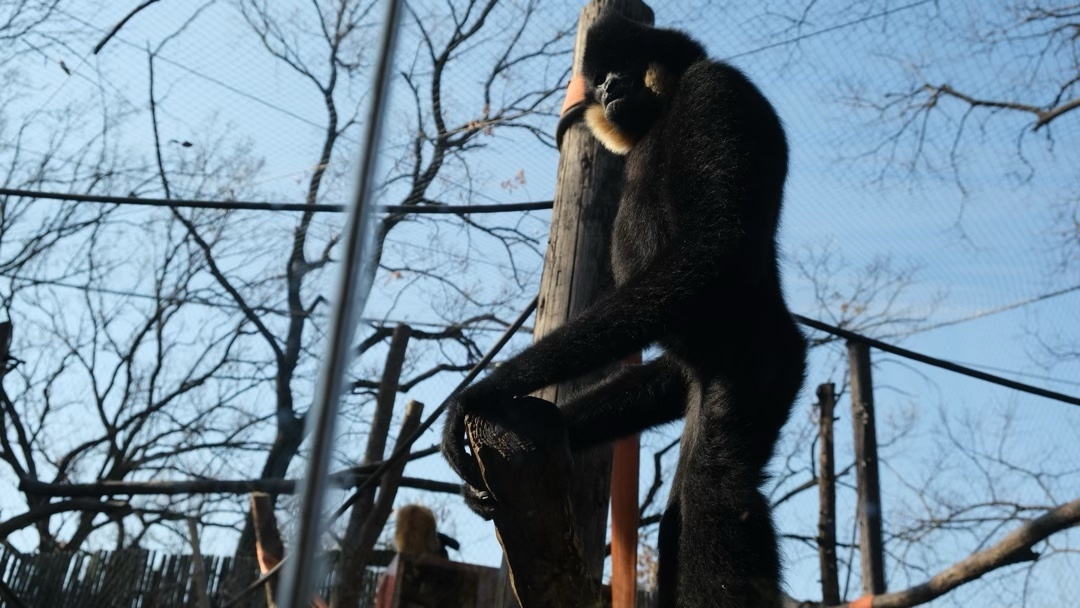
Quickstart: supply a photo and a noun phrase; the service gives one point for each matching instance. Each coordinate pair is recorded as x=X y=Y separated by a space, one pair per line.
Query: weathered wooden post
x=269 y=549
x=577 y=272
x=348 y=589
x=830 y=579
x=198 y=565
x=868 y=488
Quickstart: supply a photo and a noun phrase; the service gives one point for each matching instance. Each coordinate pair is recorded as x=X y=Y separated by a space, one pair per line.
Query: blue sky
x=982 y=236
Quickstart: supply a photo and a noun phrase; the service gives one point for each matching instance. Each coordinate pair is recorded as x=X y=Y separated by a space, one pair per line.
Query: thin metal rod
x=934 y=361
x=354 y=285
x=174 y=203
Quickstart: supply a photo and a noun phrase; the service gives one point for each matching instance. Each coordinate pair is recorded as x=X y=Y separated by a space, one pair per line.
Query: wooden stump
x=525 y=460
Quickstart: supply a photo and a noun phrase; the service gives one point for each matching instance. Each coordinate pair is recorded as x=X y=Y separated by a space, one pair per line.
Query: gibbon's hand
x=475 y=400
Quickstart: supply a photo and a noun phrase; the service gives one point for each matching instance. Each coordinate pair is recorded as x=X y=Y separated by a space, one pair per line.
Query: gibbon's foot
x=480 y=502
x=454 y=437
x=477 y=400
x=506 y=412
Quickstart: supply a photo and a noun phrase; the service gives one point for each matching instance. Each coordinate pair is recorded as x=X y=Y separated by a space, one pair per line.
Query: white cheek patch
x=657 y=79
x=612 y=138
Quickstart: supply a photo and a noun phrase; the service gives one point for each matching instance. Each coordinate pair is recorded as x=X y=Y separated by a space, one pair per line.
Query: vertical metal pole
x=354 y=285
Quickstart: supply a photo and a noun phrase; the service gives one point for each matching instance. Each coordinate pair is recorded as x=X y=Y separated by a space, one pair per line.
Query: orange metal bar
x=624 y=518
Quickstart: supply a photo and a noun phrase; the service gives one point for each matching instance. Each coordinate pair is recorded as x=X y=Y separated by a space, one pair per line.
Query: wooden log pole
x=347 y=479
x=5 y=345
x=387 y=394
x=269 y=550
x=868 y=488
x=390 y=482
x=525 y=460
x=202 y=599
x=577 y=272
x=830 y=577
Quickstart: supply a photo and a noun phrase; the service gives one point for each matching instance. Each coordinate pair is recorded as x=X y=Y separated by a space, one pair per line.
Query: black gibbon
x=415 y=533
x=694 y=258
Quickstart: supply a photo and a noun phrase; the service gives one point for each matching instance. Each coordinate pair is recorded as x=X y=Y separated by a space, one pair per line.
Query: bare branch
x=1016 y=547
x=1043 y=115
x=120 y=24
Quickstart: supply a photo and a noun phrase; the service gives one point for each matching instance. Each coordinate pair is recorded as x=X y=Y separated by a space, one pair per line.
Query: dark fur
x=695 y=263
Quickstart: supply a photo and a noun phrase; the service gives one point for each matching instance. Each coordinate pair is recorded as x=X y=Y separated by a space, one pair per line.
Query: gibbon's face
x=624 y=90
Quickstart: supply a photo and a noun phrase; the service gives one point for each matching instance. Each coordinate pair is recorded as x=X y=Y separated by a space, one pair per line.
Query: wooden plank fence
x=132 y=578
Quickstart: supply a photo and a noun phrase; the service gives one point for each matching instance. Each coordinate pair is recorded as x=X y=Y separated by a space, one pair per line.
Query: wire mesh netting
x=932 y=202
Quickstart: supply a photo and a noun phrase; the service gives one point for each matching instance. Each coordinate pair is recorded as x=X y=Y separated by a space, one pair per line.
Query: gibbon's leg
x=633 y=399
x=731 y=558
x=631 y=317
x=730 y=549
x=667 y=546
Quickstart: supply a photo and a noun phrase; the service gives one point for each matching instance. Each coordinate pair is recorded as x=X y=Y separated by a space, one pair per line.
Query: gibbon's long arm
x=631 y=317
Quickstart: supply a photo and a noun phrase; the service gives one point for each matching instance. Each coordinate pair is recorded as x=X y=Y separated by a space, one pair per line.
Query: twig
x=120 y=24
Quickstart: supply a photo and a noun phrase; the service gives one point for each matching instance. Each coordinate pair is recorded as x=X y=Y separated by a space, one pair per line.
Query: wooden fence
x=131 y=578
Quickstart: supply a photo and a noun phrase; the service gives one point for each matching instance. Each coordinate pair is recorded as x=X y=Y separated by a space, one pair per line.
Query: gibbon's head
x=631 y=72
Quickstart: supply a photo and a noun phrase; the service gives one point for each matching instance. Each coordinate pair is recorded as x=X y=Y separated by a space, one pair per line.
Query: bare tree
x=170 y=343
x=168 y=413
x=22 y=18
x=934 y=122
x=332 y=60
x=874 y=300
x=1042 y=34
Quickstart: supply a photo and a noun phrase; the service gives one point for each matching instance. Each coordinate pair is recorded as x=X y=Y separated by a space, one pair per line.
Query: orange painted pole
x=624 y=518
x=624 y=522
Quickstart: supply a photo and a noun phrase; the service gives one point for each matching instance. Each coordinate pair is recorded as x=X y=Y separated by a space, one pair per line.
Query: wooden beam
x=354 y=546
x=386 y=394
x=359 y=541
x=198 y=565
x=269 y=550
x=210 y=486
